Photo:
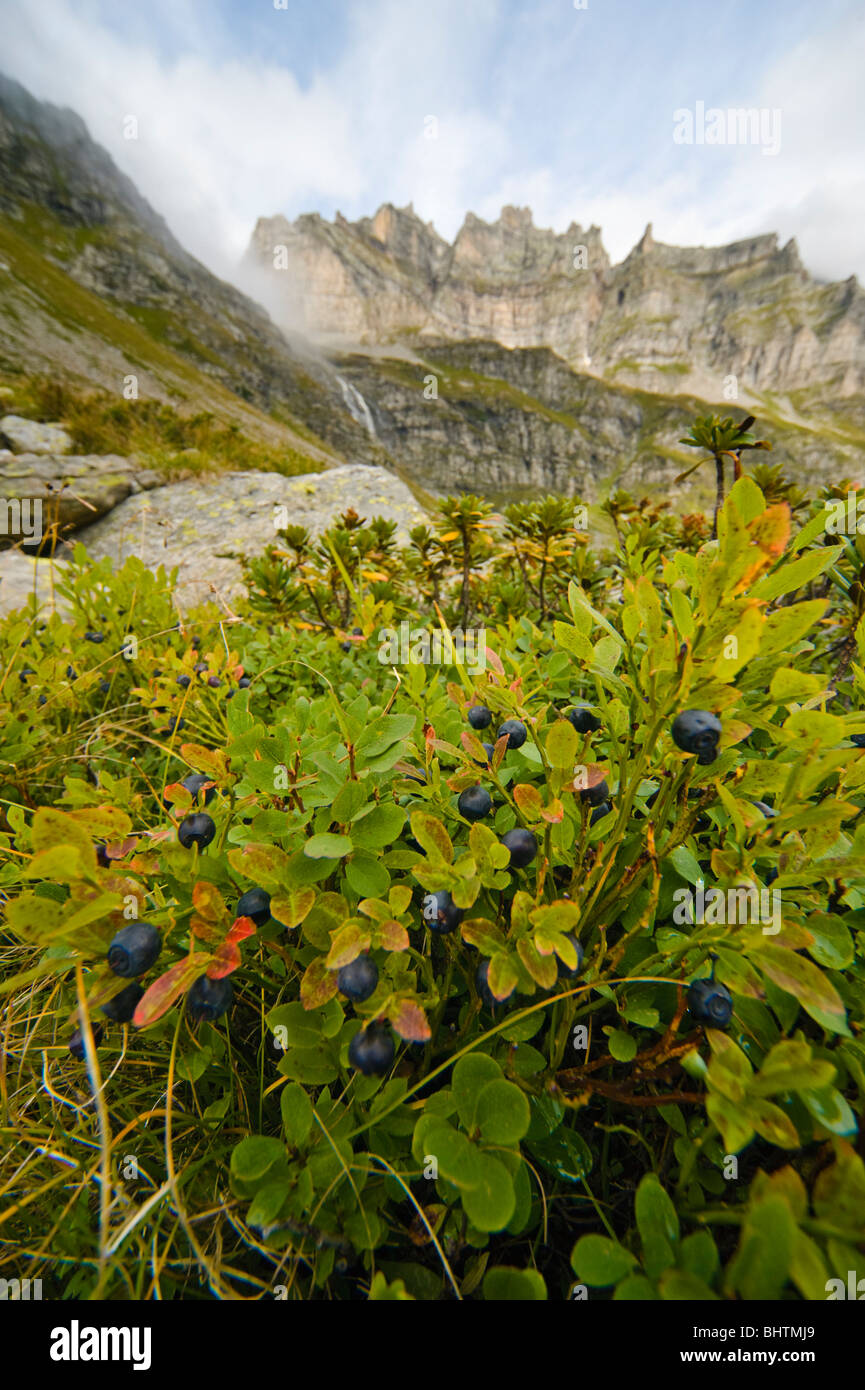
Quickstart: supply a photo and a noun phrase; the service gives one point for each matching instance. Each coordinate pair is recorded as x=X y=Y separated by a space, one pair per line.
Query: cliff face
x=94 y=285
x=507 y=423
x=665 y=318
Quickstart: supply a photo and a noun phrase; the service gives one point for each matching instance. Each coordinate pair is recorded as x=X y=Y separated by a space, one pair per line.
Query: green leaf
x=562 y=744
x=622 y=1045
x=367 y=875
x=598 y=1261
x=655 y=1213
x=470 y=1075
x=254 y=1155
x=297 y=1114
x=678 y=1285
x=831 y=1111
x=833 y=944
x=801 y=978
x=685 y=864
x=431 y=834
x=328 y=847
x=379 y=828
x=507 y=1284
x=489 y=1203
x=762 y=1262
x=736 y=1129
x=502 y=1112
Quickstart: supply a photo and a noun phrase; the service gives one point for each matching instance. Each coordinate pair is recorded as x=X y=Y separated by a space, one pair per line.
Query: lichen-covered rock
x=30 y=437
x=202 y=527
x=72 y=489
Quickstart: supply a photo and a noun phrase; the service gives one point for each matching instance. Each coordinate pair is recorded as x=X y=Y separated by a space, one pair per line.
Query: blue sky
x=244 y=109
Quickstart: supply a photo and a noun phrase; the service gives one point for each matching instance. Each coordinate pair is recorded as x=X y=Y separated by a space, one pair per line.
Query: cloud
x=245 y=116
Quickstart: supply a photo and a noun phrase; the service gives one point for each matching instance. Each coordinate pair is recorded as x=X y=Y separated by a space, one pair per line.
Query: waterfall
x=357 y=406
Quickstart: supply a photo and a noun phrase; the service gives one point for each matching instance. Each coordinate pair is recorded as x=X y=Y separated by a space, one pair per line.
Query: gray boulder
x=201 y=526
x=29 y=437
x=39 y=490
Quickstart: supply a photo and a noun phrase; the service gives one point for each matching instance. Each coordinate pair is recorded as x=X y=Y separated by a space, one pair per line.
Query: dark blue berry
x=96 y=637
x=134 y=949
x=214 y=682
x=600 y=811
x=584 y=720
x=710 y=1003
x=244 y=683
x=255 y=904
x=596 y=795
x=480 y=717
x=516 y=732
x=76 y=1042
x=197 y=829
x=697 y=731
x=372 y=1050
x=522 y=847
x=184 y=681
x=208 y=999
x=475 y=803
x=194 y=783
x=358 y=979
x=440 y=912
x=121 y=1008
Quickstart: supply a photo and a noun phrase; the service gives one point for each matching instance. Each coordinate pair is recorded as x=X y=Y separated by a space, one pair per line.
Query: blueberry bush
x=327 y=975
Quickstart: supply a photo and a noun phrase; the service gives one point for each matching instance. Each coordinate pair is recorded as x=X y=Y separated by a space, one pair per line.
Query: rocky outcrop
x=45 y=493
x=508 y=423
x=667 y=318
x=202 y=527
x=30 y=437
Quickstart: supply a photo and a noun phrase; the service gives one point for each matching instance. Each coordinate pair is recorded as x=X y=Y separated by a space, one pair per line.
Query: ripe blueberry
x=474 y=803
x=193 y=784
x=214 y=681
x=372 y=1050
x=583 y=719
x=197 y=829
x=358 y=979
x=346 y=646
x=134 y=949
x=440 y=912
x=697 y=731
x=121 y=1008
x=600 y=811
x=710 y=1003
x=480 y=717
x=184 y=681
x=244 y=682
x=76 y=1042
x=522 y=847
x=596 y=795
x=858 y=740
x=255 y=904
x=94 y=637
x=208 y=998
x=516 y=732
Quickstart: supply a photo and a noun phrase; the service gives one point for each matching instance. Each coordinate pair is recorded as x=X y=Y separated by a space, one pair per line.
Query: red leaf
x=225 y=962
x=159 y=998
x=243 y=927
x=409 y=1020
